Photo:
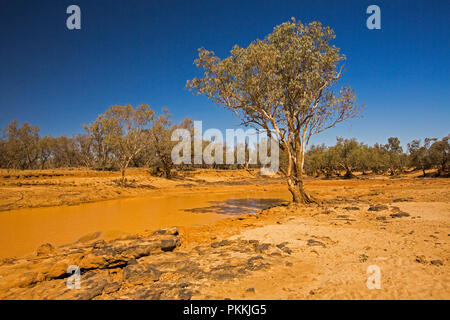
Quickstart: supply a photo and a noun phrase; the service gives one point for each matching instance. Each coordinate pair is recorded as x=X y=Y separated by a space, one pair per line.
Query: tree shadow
x=238 y=206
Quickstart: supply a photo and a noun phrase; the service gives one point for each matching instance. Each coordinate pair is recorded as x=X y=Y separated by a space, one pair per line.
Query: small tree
x=84 y=146
x=364 y=158
x=128 y=134
x=21 y=145
x=46 y=147
x=160 y=139
x=348 y=155
x=439 y=154
x=394 y=151
x=99 y=131
x=418 y=155
x=314 y=160
x=285 y=83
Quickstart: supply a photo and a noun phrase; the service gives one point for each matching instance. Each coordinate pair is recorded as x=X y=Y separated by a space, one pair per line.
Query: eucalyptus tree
x=348 y=154
x=439 y=153
x=161 y=144
x=99 y=131
x=21 y=145
x=127 y=135
x=285 y=85
x=419 y=155
x=394 y=152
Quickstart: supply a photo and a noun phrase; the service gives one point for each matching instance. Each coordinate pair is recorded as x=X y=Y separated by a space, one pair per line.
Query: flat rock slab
x=147 y=267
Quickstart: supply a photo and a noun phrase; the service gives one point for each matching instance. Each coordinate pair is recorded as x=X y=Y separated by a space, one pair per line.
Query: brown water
x=22 y=231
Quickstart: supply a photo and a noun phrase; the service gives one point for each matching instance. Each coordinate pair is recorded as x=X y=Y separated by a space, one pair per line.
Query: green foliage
x=348 y=156
x=21 y=146
x=285 y=83
x=160 y=143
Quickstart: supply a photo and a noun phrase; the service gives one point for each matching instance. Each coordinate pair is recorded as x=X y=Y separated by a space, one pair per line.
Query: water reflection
x=238 y=206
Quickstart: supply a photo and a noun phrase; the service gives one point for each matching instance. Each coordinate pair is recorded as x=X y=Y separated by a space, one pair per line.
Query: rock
x=58 y=269
x=169 y=244
x=92 y=285
x=104 y=266
x=436 y=262
x=223 y=276
x=45 y=249
x=421 y=259
x=140 y=274
x=143 y=293
x=220 y=243
x=111 y=288
x=184 y=294
x=256 y=263
x=286 y=250
x=382 y=218
x=261 y=247
x=400 y=215
x=93 y=261
x=275 y=254
x=312 y=242
x=252 y=290
x=378 y=207
x=351 y=208
x=400 y=200
x=281 y=245
x=171 y=231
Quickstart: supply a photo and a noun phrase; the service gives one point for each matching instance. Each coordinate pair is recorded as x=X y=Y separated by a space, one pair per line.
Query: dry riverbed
x=321 y=251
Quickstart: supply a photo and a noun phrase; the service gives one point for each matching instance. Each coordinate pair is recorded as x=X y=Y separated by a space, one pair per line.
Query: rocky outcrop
x=45 y=274
x=144 y=267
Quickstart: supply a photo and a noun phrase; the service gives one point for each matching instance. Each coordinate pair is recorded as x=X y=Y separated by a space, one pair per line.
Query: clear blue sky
x=132 y=52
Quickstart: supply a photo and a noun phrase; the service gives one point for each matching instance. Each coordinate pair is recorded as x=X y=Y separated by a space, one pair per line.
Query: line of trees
x=121 y=137
x=348 y=156
x=125 y=137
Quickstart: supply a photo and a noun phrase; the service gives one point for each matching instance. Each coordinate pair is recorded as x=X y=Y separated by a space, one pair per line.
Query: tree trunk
x=167 y=172
x=122 y=182
x=298 y=192
x=349 y=174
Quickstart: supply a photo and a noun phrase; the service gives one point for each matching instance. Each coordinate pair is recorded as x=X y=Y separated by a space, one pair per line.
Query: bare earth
x=401 y=225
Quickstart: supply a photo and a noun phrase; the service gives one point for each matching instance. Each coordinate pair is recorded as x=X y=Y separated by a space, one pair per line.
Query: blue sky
x=132 y=52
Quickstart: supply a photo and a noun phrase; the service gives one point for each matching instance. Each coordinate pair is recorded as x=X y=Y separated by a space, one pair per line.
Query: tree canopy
x=285 y=85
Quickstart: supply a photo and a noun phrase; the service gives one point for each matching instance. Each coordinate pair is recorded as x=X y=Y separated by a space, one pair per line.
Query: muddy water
x=22 y=231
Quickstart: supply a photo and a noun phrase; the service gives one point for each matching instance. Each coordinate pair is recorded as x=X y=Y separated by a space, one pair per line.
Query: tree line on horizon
x=348 y=156
x=125 y=137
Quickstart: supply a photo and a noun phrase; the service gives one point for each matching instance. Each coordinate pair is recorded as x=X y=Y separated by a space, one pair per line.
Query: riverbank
x=285 y=252
x=46 y=188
